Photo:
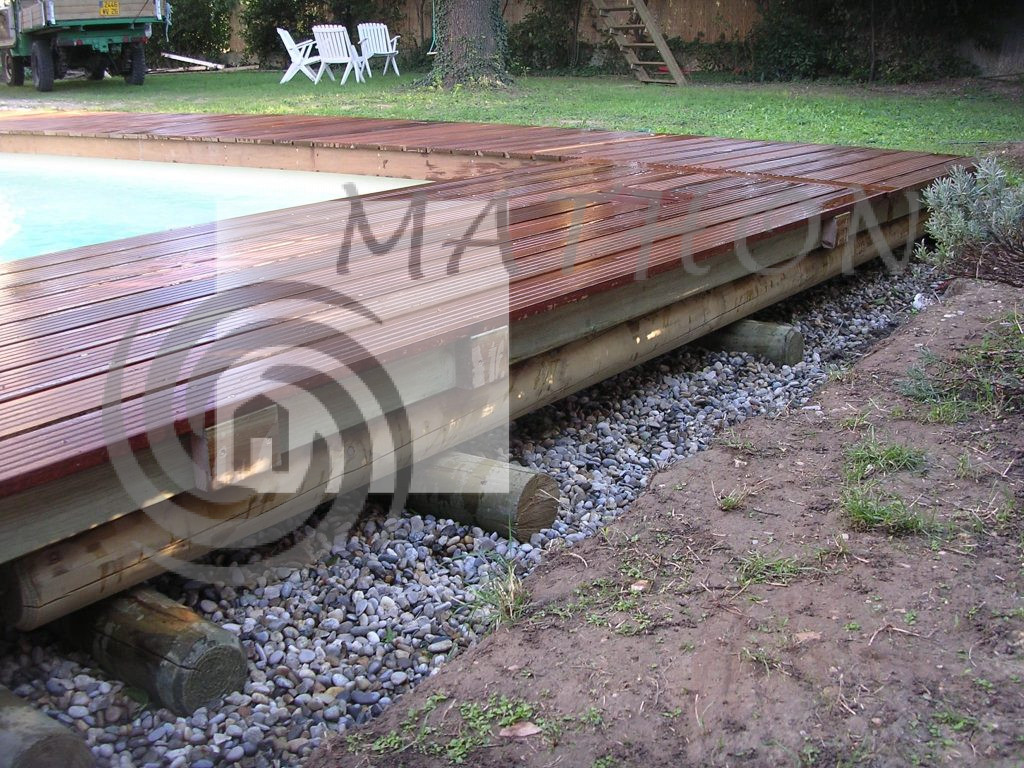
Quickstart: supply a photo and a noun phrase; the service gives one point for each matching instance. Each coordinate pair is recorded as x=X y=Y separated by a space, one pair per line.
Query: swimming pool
x=51 y=203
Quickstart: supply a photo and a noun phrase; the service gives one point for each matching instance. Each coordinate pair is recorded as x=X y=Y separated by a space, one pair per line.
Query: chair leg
x=394 y=65
x=320 y=72
x=348 y=68
x=292 y=69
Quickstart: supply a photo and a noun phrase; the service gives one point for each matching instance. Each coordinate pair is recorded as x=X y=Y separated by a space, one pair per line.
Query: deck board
x=621 y=204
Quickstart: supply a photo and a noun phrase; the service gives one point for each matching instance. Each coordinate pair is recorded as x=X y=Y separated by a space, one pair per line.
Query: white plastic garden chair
x=376 y=40
x=301 y=55
x=335 y=47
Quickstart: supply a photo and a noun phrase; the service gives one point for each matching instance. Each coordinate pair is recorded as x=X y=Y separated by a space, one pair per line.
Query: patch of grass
x=757 y=568
x=473 y=729
x=855 y=423
x=950 y=411
x=987 y=377
x=872 y=510
x=731 y=501
x=761 y=657
x=965 y=469
x=955 y=721
x=870 y=456
x=592 y=716
x=503 y=599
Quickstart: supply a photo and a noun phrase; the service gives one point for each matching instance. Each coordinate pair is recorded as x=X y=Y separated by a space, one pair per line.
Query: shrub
x=723 y=55
x=198 y=29
x=970 y=211
x=869 y=39
x=548 y=38
x=786 y=45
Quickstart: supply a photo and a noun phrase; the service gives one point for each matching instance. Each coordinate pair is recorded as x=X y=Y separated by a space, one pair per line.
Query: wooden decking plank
x=48 y=403
x=75 y=261
x=37 y=364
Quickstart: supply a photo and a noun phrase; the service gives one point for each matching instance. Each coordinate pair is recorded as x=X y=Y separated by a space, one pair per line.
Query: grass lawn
x=960 y=120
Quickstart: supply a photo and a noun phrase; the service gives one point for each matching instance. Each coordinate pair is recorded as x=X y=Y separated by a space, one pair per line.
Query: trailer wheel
x=42 y=65
x=96 y=71
x=13 y=68
x=136 y=72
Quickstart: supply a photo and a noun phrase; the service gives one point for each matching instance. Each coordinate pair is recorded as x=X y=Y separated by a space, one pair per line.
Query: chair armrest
x=395 y=39
x=305 y=45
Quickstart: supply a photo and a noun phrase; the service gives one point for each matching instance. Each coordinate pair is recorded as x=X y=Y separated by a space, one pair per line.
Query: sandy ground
x=738 y=616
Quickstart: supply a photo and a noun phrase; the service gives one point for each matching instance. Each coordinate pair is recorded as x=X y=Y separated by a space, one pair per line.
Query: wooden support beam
x=547 y=378
x=181 y=660
x=598 y=312
x=30 y=739
x=72 y=573
x=472 y=490
x=780 y=343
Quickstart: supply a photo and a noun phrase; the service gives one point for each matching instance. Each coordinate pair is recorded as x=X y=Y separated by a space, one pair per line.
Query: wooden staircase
x=635 y=30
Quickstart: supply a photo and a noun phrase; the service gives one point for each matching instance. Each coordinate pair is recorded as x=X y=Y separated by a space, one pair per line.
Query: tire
x=135 y=74
x=96 y=72
x=13 y=68
x=42 y=65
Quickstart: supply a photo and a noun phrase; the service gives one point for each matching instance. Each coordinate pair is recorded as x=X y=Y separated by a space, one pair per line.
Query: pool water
x=50 y=203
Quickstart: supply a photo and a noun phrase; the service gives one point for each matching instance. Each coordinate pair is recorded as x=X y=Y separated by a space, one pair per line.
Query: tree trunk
x=471 y=46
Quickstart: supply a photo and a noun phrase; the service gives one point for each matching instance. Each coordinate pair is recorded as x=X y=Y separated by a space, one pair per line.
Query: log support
x=30 y=739
x=508 y=499
x=781 y=344
x=151 y=642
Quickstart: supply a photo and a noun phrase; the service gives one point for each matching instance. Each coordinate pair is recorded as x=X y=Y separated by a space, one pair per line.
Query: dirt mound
x=837 y=586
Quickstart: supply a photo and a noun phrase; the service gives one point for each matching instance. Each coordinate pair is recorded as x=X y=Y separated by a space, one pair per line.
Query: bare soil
x=736 y=616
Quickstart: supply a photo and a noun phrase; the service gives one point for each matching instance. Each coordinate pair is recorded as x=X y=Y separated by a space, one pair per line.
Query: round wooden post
x=30 y=739
x=468 y=496
x=151 y=642
x=782 y=344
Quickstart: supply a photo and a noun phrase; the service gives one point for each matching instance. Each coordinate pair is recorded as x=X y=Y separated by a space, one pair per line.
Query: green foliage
x=869 y=39
x=786 y=45
x=733 y=56
x=548 y=38
x=870 y=509
x=968 y=210
x=198 y=29
x=871 y=456
x=262 y=17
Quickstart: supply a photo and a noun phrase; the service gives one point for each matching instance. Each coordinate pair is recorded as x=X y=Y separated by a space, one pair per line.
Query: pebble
x=331 y=643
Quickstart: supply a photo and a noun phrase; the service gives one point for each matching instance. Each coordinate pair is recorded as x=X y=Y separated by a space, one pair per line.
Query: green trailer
x=49 y=37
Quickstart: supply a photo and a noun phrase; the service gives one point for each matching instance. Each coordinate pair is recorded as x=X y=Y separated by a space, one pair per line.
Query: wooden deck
x=630 y=206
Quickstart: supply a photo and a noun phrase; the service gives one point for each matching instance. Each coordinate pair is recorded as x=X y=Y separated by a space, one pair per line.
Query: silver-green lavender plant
x=969 y=210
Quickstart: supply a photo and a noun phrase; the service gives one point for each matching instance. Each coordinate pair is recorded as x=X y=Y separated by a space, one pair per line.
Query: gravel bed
x=333 y=645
